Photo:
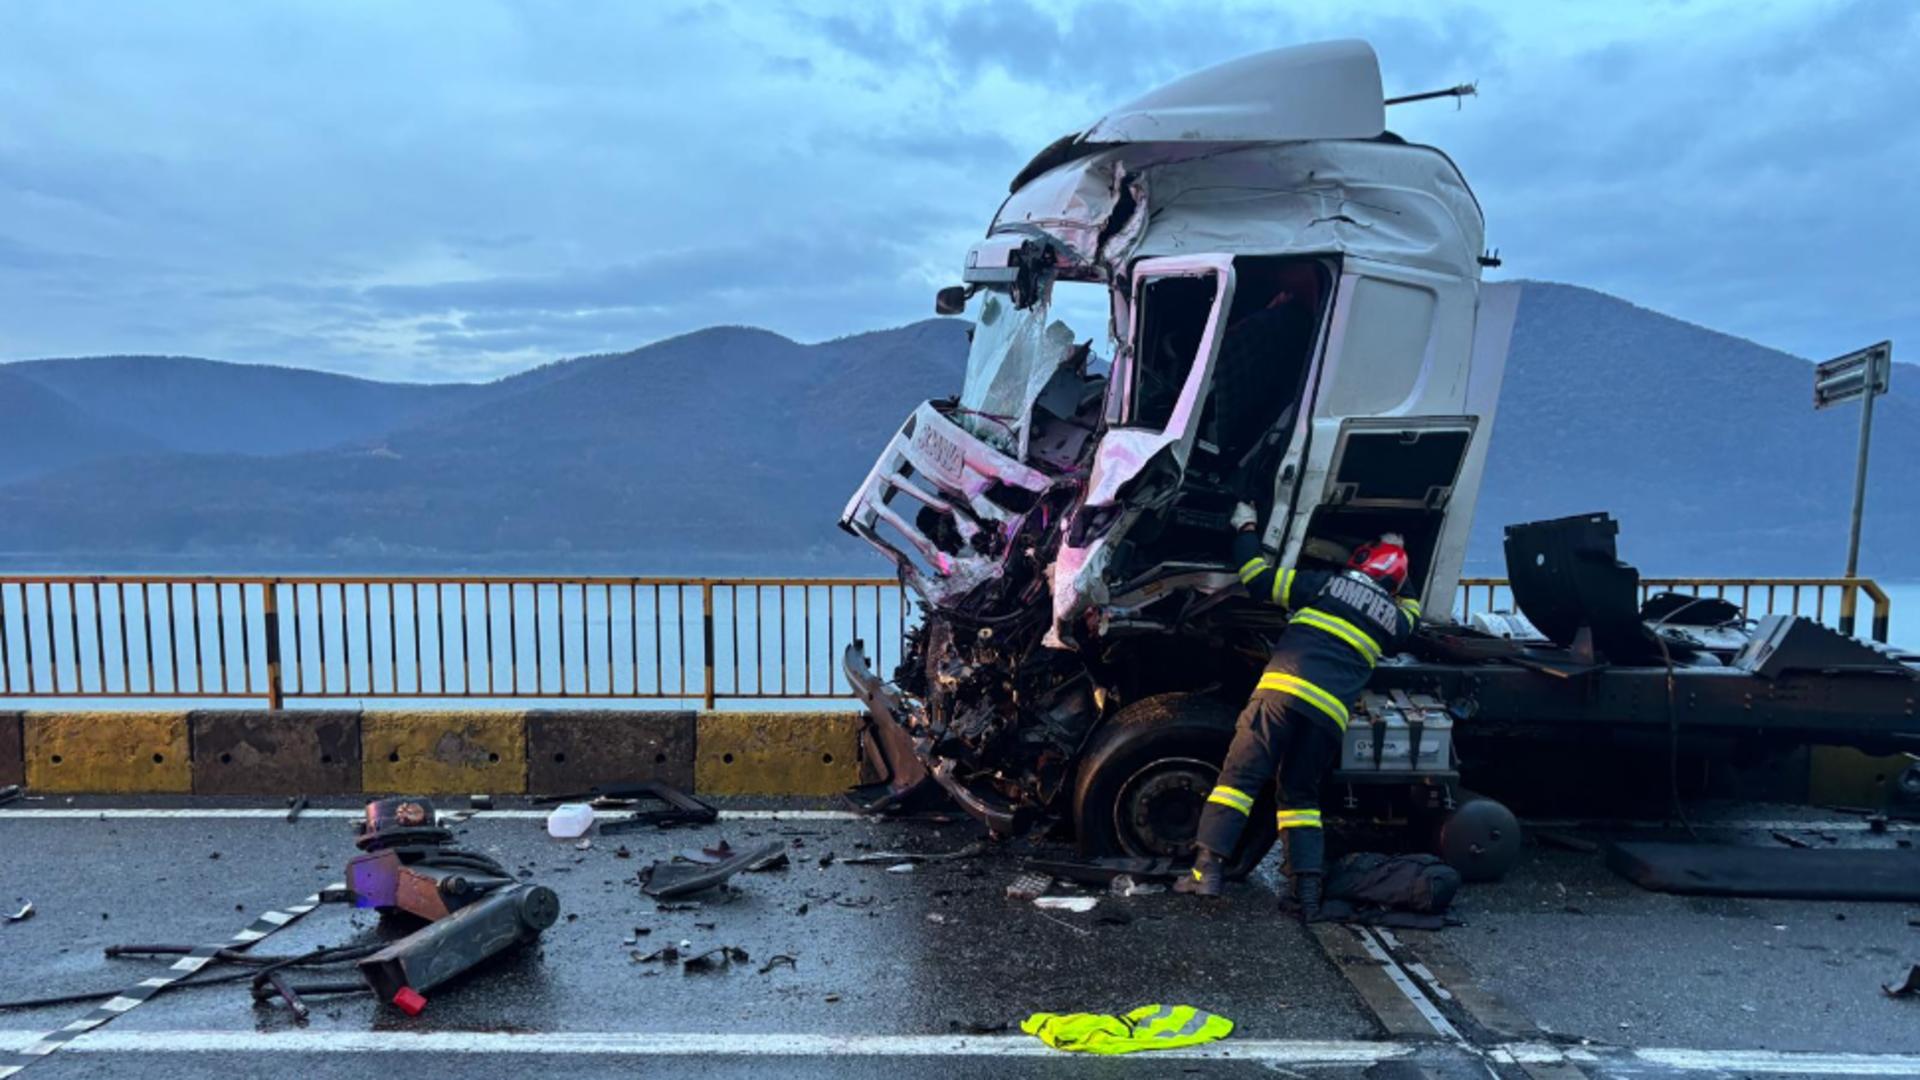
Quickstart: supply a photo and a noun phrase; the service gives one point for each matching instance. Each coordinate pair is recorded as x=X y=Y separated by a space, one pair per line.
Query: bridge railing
x=281 y=639
x=1815 y=597
x=687 y=640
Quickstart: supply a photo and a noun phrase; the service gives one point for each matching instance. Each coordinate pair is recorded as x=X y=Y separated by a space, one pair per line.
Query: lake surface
x=552 y=643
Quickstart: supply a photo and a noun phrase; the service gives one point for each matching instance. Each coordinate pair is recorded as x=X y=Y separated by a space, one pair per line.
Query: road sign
x=1847 y=377
x=1864 y=374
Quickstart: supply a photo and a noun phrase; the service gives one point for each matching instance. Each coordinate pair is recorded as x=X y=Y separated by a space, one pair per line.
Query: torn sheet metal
x=665 y=881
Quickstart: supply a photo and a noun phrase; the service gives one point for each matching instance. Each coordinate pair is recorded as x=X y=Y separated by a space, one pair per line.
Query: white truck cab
x=1240 y=287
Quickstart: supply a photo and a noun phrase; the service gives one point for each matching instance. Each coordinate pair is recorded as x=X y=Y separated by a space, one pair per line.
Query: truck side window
x=1173 y=320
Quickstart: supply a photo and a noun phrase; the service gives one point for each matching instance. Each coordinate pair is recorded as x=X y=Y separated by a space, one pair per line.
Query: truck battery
x=1397 y=732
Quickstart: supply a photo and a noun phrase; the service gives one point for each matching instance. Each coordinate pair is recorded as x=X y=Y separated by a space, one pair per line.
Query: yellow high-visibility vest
x=1149 y=1027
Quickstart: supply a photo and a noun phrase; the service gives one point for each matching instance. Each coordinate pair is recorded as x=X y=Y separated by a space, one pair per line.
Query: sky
x=440 y=191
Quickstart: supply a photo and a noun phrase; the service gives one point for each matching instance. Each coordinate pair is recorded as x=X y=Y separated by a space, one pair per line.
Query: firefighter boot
x=1208 y=877
x=1304 y=862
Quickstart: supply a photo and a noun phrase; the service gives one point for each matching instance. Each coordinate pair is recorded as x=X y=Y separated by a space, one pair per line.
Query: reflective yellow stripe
x=1251 y=569
x=1298 y=819
x=1285 y=683
x=1411 y=606
x=1342 y=629
x=1232 y=798
x=1283 y=587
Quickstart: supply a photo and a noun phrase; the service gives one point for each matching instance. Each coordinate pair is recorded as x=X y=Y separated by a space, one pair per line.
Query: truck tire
x=1145 y=777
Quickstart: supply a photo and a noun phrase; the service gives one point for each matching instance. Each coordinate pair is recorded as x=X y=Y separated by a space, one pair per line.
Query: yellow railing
x=1755 y=596
x=378 y=637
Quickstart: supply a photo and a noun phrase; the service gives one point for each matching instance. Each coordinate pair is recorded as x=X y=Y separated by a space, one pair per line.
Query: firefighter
x=1341 y=625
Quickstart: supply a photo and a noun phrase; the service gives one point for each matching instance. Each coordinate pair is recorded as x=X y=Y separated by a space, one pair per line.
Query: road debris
x=781 y=960
x=1908 y=987
x=666 y=880
x=25 y=913
x=890 y=858
x=569 y=821
x=1029 y=887
x=715 y=959
x=294 y=805
x=1079 y=905
x=1789 y=839
x=479 y=802
x=676 y=807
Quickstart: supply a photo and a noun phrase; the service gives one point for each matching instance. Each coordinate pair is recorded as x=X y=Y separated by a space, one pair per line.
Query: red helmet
x=1384 y=560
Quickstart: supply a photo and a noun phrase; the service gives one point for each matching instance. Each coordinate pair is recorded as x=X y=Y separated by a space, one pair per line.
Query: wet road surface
x=1561 y=970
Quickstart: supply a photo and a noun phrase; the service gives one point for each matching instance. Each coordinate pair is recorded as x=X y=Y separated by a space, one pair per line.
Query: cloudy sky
x=451 y=191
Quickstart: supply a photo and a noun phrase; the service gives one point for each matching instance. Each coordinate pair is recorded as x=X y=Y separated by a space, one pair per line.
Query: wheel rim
x=1159 y=807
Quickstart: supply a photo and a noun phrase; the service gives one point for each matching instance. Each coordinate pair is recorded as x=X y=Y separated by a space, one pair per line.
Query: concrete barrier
x=275 y=753
x=777 y=753
x=13 y=752
x=107 y=752
x=427 y=752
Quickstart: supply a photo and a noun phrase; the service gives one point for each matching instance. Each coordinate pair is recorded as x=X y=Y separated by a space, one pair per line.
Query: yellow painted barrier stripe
x=1342 y=629
x=1251 y=569
x=1282 y=682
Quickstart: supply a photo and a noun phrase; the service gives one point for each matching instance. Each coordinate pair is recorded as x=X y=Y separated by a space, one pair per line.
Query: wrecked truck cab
x=1294 y=319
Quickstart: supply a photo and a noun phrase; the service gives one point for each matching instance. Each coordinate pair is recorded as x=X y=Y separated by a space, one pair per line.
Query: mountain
x=42 y=431
x=206 y=407
x=731 y=450
x=1705 y=446
x=716 y=449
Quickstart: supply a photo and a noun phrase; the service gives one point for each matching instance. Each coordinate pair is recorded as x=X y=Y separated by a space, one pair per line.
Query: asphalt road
x=1562 y=967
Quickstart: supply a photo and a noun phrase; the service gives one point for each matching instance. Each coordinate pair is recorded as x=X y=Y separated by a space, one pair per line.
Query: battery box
x=1394 y=731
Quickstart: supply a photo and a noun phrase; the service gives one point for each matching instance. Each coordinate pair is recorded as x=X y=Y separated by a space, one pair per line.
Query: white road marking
x=774 y=1044
x=1395 y=974
x=74 y=813
x=681 y=1044
x=1782 y=1062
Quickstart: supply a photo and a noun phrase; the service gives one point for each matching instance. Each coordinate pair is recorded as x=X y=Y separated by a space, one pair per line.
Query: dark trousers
x=1277 y=735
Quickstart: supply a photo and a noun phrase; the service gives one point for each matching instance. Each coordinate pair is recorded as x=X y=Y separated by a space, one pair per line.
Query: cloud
x=441 y=190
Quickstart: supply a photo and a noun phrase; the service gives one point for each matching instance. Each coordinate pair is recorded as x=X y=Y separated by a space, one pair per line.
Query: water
x=372 y=643
x=367 y=642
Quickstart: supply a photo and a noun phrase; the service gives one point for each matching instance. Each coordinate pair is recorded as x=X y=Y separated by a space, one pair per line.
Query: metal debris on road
x=715 y=959
x=781 y=960
x=25 y=913
x=889 y=858
x=666 y=880
x=1907 y=987
x=1029 y=887
x=294 y=806
x=1079 y=905
x=9 y=793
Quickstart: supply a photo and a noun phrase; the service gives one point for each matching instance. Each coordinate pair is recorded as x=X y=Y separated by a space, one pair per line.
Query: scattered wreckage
x=1280 y=303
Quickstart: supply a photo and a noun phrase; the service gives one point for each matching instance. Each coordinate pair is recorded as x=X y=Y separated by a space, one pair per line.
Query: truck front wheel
x=1144 y=781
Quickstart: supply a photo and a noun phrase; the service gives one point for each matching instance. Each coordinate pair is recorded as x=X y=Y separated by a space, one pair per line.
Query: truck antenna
x=1464 y=90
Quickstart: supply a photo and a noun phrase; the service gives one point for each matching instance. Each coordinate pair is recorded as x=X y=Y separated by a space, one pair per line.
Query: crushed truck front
x=1294 y=318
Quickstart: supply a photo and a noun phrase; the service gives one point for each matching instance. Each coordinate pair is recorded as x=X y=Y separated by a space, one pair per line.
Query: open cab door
x=1161 y=374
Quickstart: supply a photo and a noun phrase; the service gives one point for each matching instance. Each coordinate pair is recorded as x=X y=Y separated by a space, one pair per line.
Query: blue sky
x=457 y=190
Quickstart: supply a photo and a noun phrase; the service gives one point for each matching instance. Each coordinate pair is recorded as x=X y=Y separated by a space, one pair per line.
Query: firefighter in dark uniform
x=1341 y=625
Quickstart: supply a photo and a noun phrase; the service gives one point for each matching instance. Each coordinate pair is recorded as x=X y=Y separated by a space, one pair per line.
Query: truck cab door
x=1178 y=311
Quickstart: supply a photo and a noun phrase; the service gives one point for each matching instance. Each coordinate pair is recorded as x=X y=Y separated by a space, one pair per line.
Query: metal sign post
x=1862 y=374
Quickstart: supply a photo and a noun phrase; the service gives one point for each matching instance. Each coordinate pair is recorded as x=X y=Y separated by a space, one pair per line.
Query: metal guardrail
x=282 y=638
x=1798 y=594
x=277 y=639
